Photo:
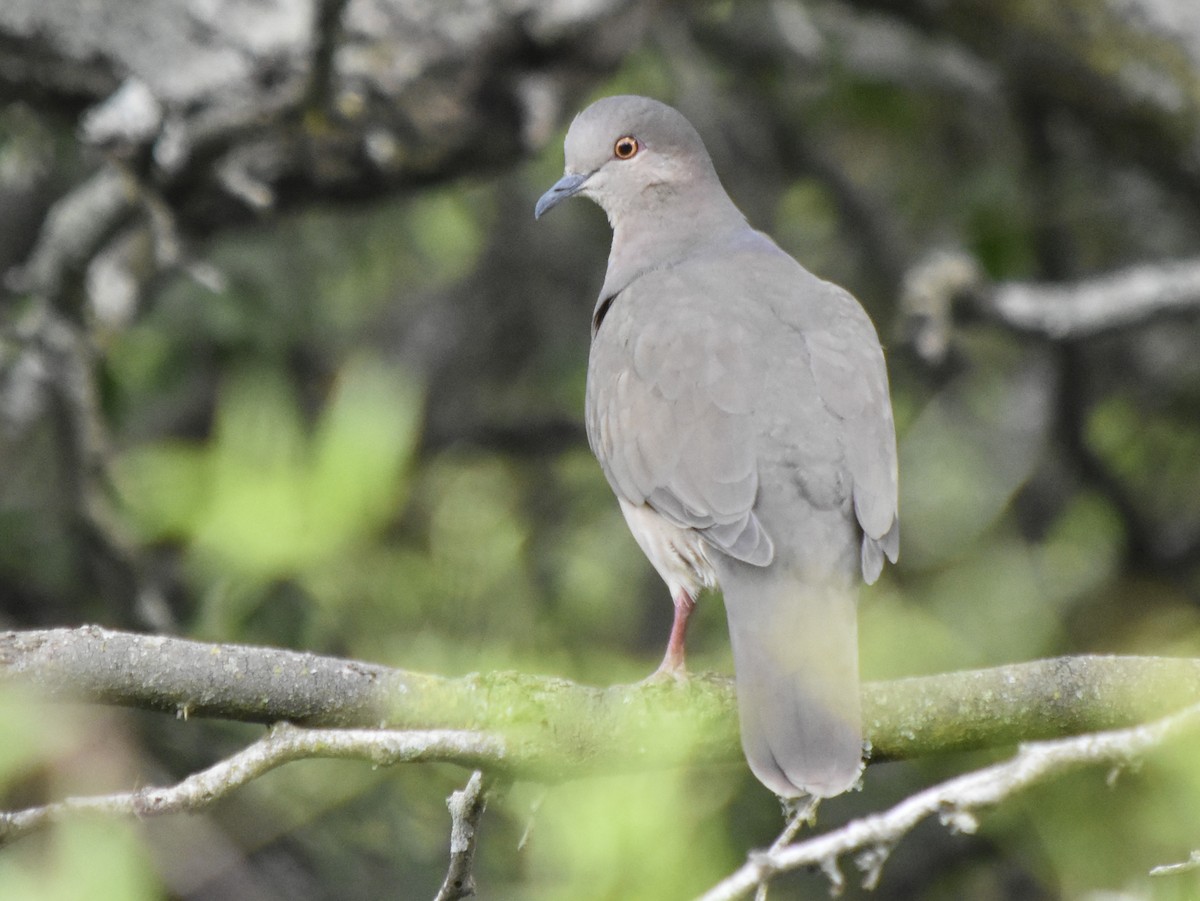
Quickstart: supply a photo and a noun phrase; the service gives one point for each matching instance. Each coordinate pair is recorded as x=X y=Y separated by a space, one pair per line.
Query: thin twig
x=798 y=813
x=466 y=808
x=1174 y=869
x=955 y=802
x=282 y=744
x=534 y=807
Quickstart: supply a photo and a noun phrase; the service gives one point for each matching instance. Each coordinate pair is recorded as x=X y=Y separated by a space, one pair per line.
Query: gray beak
x=565 y=187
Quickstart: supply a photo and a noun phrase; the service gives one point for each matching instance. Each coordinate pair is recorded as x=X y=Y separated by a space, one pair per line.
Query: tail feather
x=795 y=651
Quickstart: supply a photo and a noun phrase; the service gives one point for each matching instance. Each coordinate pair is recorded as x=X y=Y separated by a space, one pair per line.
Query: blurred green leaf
x=1097 y=835
x=996 y=605
x=891 y=626
x=1151 y=449
x=31 y=737
x=1082 y=550
x=445 y=232
x=101 y=860
x=807 y=223
x=267 y=498
x=163 y=486
x=966 y=454
x=644 y=836
x=98 y=859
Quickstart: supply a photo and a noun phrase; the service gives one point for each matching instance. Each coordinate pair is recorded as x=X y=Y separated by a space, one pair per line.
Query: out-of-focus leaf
x=97 y=860
x=164 y=488
x=807 y=224
x=1104 y=836
x=265 y=499
x=967 y=453
x=446 y=233
x=1155 y=451
x=899 y=638
x=362 y=443
x=633 y=837
x=78 y=858
x=1082 y=551
x=996 y=605
x=31 y=736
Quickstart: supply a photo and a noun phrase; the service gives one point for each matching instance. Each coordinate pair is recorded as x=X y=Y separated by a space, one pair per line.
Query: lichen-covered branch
x=555 y=728
x=955 y=802
x=1040 y=699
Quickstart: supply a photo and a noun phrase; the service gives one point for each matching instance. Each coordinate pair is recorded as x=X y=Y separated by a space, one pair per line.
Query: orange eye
x=626 y=147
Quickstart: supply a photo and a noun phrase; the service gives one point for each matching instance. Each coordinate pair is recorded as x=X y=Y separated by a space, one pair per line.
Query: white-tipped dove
x=739 y=408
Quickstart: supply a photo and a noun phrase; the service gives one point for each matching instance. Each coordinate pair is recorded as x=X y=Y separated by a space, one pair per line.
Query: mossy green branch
x=555 y=728
x=1040 y=699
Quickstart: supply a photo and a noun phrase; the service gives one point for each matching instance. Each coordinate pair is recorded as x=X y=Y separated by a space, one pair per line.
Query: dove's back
x=737 y=395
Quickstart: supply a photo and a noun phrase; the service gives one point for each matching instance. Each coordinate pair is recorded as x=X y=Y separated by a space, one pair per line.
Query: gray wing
x=670 y=393
x=851 y=378
x=701 y=374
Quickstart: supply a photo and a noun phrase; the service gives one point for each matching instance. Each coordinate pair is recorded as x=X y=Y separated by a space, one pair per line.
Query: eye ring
x=626 y=147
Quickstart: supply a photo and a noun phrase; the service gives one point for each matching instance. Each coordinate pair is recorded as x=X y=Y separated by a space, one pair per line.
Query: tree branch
x=283 y=744
x=1173 y=869
x=542 y=728
x=76 y=227
x=239 y=111
x=955 y=802
x=1099 y=305
x=1127 y=298
x=555 y=728
x=1127 y=70
x=466 y=808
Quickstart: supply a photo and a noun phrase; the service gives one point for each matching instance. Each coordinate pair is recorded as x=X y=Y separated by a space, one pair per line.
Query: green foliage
x=56 y=747
x=643 y=836
x=969 y=451
x=106 y=861
x=807 y=224
x=28 y=745
x=1152 y=447
x=1093 y=833
x=266 y=499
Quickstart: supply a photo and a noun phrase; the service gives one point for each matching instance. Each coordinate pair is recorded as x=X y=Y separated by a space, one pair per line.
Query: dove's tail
x=795 y=650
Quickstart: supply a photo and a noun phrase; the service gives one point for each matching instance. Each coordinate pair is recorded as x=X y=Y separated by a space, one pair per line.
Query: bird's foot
x=672 y=669
x=801 y=811
x=798 y=813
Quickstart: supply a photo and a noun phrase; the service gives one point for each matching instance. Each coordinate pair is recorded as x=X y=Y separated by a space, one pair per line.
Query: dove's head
x=631 y=152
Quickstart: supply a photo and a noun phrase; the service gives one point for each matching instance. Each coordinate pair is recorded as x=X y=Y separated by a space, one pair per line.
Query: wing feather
x=697 y=386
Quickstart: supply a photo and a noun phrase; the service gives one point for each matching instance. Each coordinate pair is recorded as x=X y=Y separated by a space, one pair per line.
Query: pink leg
x=673 y=662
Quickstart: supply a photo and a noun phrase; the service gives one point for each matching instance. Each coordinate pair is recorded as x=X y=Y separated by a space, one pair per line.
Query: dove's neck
x=662 y=234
